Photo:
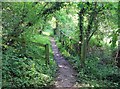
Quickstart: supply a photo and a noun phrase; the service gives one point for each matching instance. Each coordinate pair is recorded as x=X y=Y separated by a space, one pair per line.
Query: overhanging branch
x=53 y=9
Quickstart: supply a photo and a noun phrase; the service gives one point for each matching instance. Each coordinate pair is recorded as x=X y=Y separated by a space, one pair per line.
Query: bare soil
x=66 y=75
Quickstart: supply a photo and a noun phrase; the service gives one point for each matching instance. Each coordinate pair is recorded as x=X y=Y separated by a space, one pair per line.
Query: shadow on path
x=65 y=74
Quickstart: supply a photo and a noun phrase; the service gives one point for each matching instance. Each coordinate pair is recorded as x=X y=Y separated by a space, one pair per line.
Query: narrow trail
x=65 y=74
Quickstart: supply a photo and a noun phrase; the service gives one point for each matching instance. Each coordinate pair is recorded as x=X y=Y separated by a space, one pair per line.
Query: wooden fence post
x=69 y=45
x=47 y=53
x=62 y=39
x=60 y=36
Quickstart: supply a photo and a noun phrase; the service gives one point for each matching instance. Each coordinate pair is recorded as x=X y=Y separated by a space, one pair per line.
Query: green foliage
x=99 y=71
x=30 y=71
x=25 y=72
x=96 y=74
x=96 y=41
x=114 y=36
x=24 y=61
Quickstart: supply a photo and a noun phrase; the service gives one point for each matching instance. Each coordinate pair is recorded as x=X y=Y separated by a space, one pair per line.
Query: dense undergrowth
x=28 y=69
x=92 y=25
x=100 y=68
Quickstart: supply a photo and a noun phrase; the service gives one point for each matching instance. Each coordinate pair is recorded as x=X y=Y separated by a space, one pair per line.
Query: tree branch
x=54 y=8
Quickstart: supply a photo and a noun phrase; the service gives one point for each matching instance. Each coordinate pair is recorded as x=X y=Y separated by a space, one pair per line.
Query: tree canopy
x=86 y=34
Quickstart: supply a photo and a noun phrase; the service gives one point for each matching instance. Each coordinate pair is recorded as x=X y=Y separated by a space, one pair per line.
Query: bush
x=99 y=70
x=25 y=72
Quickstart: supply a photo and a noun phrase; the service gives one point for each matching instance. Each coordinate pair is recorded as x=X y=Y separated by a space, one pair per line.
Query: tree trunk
x=81 y=35
x=118 y=53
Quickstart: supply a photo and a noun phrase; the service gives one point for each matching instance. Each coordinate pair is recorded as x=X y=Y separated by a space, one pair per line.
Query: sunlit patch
x=71 y=76
x=46 y=33
x=62 y=66
x=107 y=40
x=66 y=79
x=57 y=54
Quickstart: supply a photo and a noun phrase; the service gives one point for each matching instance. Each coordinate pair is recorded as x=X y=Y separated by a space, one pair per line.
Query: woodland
x=87 y=35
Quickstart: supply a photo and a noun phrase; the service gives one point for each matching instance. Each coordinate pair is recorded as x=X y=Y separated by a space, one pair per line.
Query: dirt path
x=65 y=74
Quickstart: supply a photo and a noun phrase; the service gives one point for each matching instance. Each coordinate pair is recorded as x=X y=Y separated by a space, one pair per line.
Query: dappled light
x=52 y=45
x=46 y=33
